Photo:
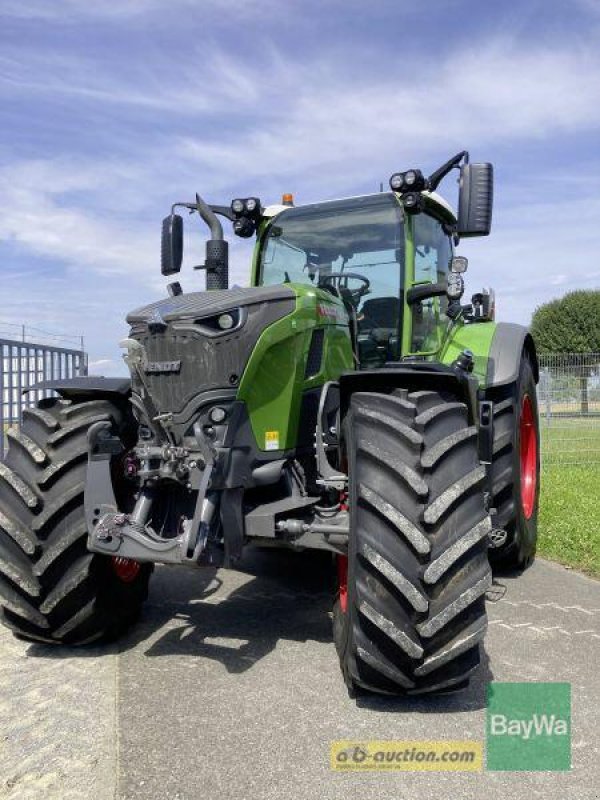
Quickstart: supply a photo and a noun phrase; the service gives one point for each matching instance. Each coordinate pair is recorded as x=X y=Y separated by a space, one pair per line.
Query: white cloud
x=320 y=118
x=208 y=82
x=34 y=219
x=537 y=251
x=69 y=11
x=323 y=127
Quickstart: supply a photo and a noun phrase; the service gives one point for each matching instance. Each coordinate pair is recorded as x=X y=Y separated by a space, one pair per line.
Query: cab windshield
x=363 y=236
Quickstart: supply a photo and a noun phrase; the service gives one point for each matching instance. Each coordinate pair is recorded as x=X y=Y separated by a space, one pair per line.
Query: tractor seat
x=378 y=331
x=379 y=313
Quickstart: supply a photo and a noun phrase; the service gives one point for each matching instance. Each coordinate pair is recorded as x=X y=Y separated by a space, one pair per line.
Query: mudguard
x=497 y=349
x=509 y=342
x=414 y=376
x=86 y=386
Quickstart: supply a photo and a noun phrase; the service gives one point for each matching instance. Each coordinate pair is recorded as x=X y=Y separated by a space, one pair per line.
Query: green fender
x=497 y=347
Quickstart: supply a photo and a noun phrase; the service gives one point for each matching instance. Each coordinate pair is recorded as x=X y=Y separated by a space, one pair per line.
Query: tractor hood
x=189 y=351
x=200 y=304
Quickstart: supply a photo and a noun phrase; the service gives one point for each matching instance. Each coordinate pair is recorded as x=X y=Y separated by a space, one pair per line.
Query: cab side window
x=433 y=253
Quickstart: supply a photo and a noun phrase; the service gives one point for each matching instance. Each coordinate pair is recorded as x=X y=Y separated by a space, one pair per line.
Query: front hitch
x=114 y=533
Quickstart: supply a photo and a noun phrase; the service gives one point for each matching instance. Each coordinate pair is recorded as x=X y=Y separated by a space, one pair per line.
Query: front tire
x=516 y=470
x=51 y=588
x=417 y=562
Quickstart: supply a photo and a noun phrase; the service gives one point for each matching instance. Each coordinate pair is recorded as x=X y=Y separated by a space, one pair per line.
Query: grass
x=569 y=520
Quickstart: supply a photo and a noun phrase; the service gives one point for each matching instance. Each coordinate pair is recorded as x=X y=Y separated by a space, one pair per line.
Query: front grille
x=184 y=361
x=203 y=364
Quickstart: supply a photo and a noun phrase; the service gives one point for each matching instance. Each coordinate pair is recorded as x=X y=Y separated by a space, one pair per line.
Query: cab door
x=430 y=253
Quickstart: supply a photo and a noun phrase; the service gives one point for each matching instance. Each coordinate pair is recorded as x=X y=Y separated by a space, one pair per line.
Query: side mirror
x=484 y=305
x=171 y=244
x=475 y=198
x=459 y=264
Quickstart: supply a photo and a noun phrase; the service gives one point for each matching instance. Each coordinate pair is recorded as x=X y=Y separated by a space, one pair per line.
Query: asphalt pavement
x=229 y=687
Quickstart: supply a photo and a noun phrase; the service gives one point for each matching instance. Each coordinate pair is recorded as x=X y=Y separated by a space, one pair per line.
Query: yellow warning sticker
x=271 y=440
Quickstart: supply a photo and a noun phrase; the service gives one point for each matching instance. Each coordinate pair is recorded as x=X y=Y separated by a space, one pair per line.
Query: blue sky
x=110 y=111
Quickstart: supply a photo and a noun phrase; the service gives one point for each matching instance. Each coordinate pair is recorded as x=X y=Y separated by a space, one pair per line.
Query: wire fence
x=27 y=333
x=569 y=405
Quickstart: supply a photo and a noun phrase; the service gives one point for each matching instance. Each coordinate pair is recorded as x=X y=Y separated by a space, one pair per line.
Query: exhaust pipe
x=217 y=249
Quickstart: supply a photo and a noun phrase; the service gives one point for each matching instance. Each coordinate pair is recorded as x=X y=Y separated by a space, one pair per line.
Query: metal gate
x=23 y=364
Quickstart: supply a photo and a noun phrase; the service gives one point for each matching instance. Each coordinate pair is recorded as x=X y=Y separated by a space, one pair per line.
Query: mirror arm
x=223 y=211
x=424 y=291
x=191 y=206
x=436 y=177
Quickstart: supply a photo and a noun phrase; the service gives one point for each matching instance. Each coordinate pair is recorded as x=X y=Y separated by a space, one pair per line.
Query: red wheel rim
x=126 y=569
x=342 y=571
x=529 y=445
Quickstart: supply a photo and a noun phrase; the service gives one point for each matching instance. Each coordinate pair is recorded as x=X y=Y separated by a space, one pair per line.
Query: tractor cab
x=367 y=251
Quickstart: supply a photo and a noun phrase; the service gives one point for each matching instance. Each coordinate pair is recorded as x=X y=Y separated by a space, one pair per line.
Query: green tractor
x=346 y=401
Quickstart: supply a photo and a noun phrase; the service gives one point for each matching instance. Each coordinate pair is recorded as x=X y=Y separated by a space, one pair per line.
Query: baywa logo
x=538 y=725
x=529 y=726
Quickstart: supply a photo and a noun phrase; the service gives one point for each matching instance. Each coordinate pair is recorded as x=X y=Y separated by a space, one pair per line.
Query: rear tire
x=515 y=501
x=417 y=562
x=51 y=588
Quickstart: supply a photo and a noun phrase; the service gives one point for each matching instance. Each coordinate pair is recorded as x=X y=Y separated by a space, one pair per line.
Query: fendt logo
x=332 y=312
x=162 y=367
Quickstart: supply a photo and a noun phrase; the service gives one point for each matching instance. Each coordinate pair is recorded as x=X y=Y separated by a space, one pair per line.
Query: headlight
x=411 y=180
x=456 y=286
x=397 y=181
x=412 y=202
x=244 y=227
x=225 y=322
x=247 y=206
x=217 y=415
x=218 y=324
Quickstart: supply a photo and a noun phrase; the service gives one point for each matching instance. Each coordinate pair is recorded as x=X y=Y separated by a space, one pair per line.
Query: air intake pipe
x=217 y=249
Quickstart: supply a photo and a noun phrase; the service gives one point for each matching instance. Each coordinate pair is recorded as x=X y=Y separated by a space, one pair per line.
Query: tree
x=570 y=324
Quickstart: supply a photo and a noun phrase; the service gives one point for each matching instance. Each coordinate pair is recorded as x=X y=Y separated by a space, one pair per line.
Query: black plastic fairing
x=509 y=343
x=417 y=376
x=198 y=304
x=96 y=385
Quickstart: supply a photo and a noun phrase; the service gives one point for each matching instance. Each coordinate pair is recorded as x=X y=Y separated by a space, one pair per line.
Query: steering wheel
x=329 y=280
